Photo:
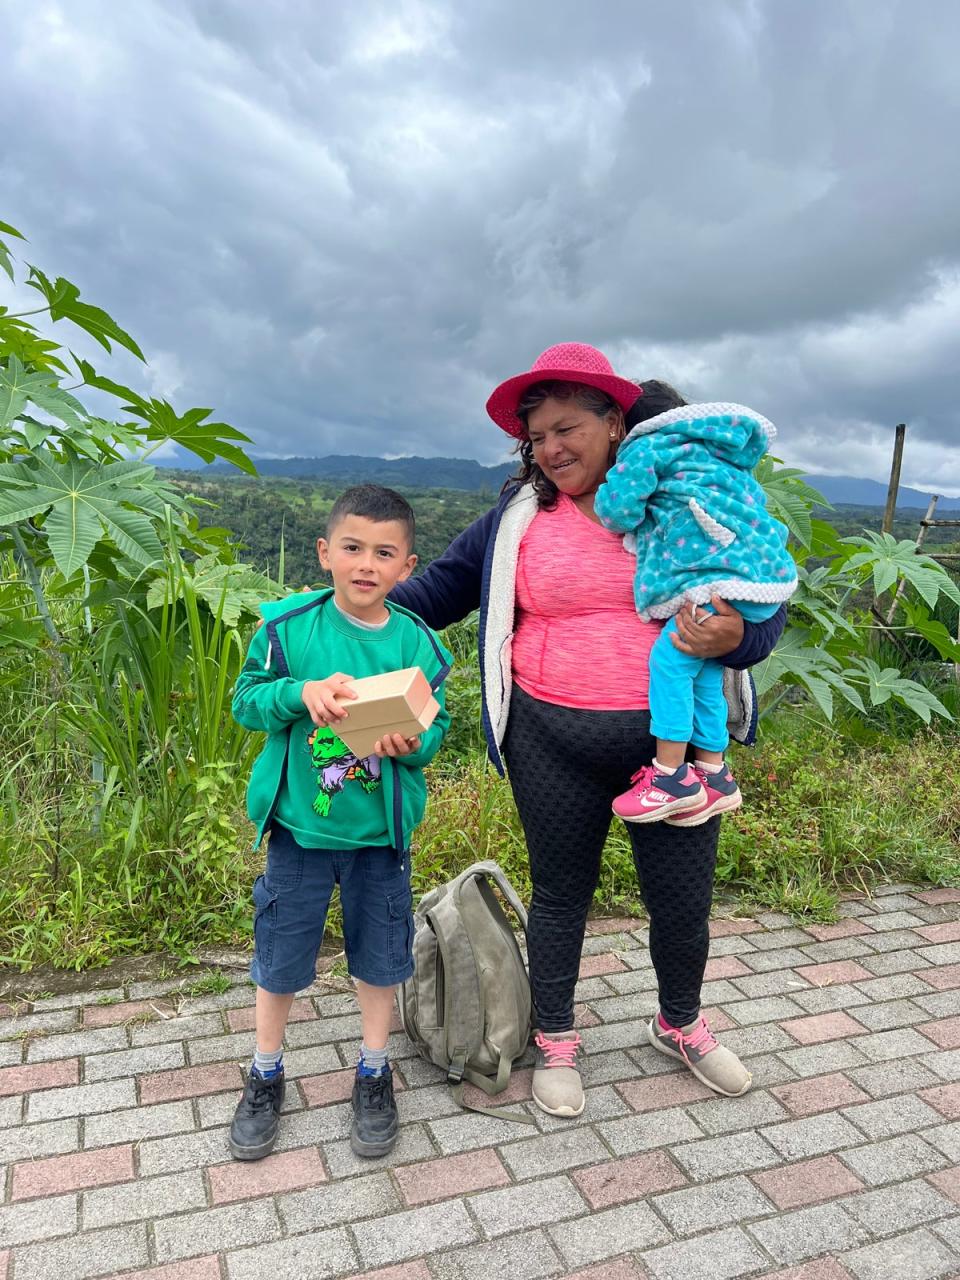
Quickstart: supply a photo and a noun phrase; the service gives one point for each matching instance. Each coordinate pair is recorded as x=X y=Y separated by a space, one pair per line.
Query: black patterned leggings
x=565 y=767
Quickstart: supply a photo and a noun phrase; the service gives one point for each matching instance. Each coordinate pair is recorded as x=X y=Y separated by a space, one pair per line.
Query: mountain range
x=465 y=473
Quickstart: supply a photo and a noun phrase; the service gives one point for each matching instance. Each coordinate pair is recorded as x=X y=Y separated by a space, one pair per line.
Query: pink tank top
x=578 y=641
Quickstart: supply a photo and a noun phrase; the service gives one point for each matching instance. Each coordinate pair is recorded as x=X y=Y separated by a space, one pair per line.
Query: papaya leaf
x=889 y=560
x=63 y=299
x=789 y=498
x=884 y=683
x=11 y=231
x=18 y=387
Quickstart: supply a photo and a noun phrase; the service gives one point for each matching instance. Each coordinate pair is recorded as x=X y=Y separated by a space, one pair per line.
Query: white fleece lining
x=731 y=589
x=691 y=412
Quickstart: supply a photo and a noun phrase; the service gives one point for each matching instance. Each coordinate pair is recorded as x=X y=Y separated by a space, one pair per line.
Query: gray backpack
x=467 y=1006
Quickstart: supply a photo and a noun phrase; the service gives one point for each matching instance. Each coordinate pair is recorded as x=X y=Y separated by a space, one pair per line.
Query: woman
x=564 y=662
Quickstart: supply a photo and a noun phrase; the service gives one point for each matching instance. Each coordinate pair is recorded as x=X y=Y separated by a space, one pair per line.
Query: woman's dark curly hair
x=589 y=398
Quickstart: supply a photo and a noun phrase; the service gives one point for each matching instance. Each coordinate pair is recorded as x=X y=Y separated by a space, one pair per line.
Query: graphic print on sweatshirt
x=336 y=765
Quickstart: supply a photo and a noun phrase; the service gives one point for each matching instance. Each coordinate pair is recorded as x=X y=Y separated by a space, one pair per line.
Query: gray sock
x=372 y=1061
x=267 y=1064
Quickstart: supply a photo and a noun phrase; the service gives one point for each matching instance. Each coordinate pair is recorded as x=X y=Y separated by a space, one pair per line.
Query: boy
x=333 y=818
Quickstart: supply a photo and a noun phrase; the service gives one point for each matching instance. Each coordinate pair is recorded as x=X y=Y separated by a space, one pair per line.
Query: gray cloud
x=340 y=225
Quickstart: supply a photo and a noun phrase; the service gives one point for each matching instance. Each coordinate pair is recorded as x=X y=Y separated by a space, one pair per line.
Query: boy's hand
x=320 y=697
x=395 y=744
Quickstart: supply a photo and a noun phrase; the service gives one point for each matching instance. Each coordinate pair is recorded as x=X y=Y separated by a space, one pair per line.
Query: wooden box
x=394 y=702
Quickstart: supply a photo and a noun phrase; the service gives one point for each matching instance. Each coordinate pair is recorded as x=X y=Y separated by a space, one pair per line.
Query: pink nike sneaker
x=722 y=795
x=655 y=796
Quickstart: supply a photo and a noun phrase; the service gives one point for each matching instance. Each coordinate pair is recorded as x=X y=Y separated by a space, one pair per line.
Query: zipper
x=398 y=812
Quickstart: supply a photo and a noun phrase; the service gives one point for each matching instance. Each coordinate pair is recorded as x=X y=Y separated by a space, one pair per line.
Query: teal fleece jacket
x=304 y=638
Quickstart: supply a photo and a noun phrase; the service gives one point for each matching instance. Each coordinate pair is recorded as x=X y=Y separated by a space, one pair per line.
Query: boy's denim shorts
x=290 y=910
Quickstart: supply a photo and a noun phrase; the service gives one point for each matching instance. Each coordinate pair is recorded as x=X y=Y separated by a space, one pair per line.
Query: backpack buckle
x=458 y=1064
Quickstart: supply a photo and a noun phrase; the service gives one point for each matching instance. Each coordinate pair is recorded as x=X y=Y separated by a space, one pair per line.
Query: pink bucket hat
x=566 y=362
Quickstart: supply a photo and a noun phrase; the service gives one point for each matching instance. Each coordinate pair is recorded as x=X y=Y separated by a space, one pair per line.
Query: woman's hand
x=708 y=635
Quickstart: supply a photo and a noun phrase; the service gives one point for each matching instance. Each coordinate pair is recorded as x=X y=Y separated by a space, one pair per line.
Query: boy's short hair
x=373 y=502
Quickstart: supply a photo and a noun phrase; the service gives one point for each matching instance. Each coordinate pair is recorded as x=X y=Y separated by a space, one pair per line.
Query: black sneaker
x=257 y=1117
x=375 y=1120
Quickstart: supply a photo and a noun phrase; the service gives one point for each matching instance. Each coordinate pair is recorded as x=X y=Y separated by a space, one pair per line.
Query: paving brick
x=946 y=1138
x=894 y=920
x=944 y=978
x=819 y=1269
x=615 y=1035
x=949 y=931
x=821 y=1093
x=724 y=967
x=465 y=1131
x=893 y=1209
x=191 y=1082
x=596 y=966
x=413 y=1144
x=30 y=1141
x=944 y=1098
x=81 y=1099
x=284 y=1171
x=449 y=1176
x=601 y=1068
x=884 y=963
x=947 y=1181
x=632 y=1178
x=935 y=897
x=663 y=1091
x=889 y=1014
x=11 y=1111
x=839 y=995
x=730 y=1200
x=553 y=1152
x=30 y=1024
x=782 y=982
x=228 y=1227
x=918 y=1255
x=726 y=1115
x=531 y=1204
x=144 y=1199
x=608 y=1234
x=236 y=1047
x=749 y=1013
x=881 y=1046
x=721 y=1255
x=176 y=1029
x=617 y=943
x=807 y=1182
x=335 y=1204
x=894 y=1159
x=945 y=1064
x=619 y=1009
x=896 y=986
x=722 y=928
x=72 y=1172
x=805 y=1233
x=138 y=1123
x=939 y=1004
x=892 y=1116
x=768 y=1069
x=765 y=1038
x=603 y=1103
x=943 y=954
x=882 y=1079
x=319 y=1254
x=716 y=1157
x=822 y=1027
x=769 y=961
x=39 y=1220
x=839 y=951
x=333 y=1086
x=182 y=1151
x=415 y=1231
x=527 y=1256
x=630 y=982
x=822 y=1059
x=945 y=1032
x=821 y=975
x=48 y=1048
x=812 y=1136
x=647 y=1131
x=619 y=1269
x=129 y=1062
x=207 y=1268
x=734 y=945
x=112 y=1015
x=840 y=929
x=46 y=1075
x=94 y=1253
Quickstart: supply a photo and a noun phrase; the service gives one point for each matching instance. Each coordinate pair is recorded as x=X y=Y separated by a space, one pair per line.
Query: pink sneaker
x=722 y=796
x=654 y=795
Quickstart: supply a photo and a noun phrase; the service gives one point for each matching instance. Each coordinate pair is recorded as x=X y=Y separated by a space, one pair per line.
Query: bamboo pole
x=894 y=487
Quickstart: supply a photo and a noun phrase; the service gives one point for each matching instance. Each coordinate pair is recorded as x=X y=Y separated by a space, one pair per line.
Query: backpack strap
x=492 y=871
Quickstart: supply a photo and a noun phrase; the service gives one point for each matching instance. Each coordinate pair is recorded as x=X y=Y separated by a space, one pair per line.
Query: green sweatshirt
x=305 y=776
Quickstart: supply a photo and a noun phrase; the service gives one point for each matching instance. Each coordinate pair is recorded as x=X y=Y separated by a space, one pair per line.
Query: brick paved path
x=843 y=1161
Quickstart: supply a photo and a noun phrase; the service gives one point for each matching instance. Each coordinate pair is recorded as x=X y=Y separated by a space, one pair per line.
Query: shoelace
x=374 y=1091
x=701 y=1039
x=262 y=1094
x=558 y=1053
x=644 y=777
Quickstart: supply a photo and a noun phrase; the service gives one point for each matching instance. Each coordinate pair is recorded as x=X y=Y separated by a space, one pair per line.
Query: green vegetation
x=126 y=603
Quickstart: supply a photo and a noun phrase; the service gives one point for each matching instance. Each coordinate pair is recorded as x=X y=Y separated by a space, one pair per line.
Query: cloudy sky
x=341 y=224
